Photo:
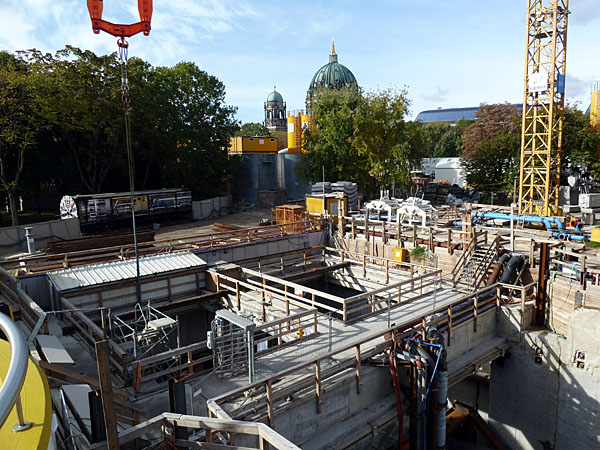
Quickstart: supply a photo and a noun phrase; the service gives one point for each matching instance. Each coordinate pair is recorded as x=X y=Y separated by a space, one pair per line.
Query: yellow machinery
x=543 y=104
x=400 y=254
x=595 y=112
x=595 y=108
x=332 y=204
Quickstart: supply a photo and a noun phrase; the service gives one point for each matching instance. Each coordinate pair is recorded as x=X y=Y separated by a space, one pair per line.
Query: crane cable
x=126 y=99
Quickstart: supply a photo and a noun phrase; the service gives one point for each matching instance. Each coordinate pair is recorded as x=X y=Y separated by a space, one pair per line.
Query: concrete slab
x=53 y=350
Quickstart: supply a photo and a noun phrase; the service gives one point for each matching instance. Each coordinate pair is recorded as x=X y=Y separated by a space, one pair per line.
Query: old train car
x=98 y=209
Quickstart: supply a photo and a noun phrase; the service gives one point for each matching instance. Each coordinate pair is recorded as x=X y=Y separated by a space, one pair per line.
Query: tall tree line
x=62 y=124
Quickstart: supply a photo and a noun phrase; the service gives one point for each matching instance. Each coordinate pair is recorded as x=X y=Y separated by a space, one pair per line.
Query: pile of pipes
x=426 y=383
x=349 y=189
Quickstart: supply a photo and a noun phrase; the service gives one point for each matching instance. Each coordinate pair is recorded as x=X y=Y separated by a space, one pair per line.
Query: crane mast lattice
x=543 y=104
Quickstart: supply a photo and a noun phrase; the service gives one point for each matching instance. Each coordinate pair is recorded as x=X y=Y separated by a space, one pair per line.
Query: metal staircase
x=472 y=268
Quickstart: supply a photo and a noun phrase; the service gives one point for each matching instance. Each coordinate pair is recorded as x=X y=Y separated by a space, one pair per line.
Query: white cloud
x=583 y=11
x=176 y=26
x=439 y=95
x=577 y=86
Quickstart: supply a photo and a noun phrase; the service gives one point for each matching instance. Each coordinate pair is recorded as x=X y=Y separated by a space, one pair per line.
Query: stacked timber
x=562 y=302
x=219 y=227
x=98 y=241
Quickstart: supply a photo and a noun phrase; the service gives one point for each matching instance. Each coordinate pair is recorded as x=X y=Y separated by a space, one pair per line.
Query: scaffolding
x=149 y=331
x=543 y=104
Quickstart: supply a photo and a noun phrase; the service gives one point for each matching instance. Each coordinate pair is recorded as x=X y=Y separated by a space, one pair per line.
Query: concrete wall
x=541 y=398
x=12 y=239
x=440 y=257
x=262 y=248
x=211 y=208
x=267 y=173
x=302 y=423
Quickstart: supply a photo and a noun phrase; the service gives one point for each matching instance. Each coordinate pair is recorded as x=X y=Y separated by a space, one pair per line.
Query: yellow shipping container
x=316 y=205
x=244 y=145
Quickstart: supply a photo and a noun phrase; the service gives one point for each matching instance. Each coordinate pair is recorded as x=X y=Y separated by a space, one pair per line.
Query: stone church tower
x=276 y=117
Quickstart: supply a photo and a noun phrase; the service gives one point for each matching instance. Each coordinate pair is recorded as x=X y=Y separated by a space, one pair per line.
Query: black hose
x=514 y=264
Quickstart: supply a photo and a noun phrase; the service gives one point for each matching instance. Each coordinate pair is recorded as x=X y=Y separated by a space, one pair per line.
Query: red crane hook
x=120 y=30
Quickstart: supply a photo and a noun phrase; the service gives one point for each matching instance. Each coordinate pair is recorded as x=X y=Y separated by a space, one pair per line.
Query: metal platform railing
x=10 y=392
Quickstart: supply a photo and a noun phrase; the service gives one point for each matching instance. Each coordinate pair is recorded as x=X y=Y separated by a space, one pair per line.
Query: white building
x=449 y=169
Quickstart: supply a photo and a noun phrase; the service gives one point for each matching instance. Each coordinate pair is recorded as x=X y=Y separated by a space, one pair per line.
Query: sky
x=445 y=53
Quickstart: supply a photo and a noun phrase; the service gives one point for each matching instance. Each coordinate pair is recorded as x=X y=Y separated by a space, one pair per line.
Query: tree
x=580 y=145
x=391 y=146
x=442 y=140
x=82 y=99
x=19 y=124
x=179 y=121
x=491 y=147
x=253 y=129
x=199 y=123
x=331 y=147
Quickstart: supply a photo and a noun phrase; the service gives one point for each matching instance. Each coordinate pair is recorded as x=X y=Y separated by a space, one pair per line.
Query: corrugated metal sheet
x=97 y=274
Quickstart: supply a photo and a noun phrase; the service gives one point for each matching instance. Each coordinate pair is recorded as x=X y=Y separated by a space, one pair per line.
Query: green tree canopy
x=179 y=122
x=491 y=147
x=19 y=124
x=391 y=146
x=580 y=145
x=362 y=138
x=331 y=147
x=253 y=129
x=441 y=140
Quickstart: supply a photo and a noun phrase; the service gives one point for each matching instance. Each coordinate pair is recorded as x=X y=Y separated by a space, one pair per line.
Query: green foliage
x=253 y=129
x=417 y=255
x=179 y=122
x=491 y=148
x=19 y=124
x=381 y=134
x=362 y=138
x=332 y=147
x=591 y=244
x=580 y=144
x=442 y=140
x=200 y=124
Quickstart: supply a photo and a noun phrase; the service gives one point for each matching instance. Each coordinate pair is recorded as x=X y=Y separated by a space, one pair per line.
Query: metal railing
x=348 y=365
x=218 y=433
x=10 y=392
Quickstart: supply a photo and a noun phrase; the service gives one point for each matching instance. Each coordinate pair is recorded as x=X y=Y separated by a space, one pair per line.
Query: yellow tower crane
x=543 y=104
x=595 y=108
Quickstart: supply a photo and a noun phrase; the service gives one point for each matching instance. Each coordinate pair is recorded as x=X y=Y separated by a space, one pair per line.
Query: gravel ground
x=247 y=219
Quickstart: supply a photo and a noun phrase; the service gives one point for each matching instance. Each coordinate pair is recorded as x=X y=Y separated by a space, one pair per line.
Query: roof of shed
x=448 y=163
x=110 y=272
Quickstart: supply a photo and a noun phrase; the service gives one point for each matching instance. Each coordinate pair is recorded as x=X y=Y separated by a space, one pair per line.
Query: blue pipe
x=553 y=225
x=548 y=222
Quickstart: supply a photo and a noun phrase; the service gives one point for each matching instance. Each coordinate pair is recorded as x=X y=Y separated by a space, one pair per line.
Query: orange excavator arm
x=143 y=26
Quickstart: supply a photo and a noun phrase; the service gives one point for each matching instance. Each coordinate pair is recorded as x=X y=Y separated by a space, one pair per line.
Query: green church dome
x=275 y=97
x=332 y=75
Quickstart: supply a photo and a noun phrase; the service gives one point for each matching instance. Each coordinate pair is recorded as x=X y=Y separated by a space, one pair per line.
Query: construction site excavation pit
x=335 y=284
